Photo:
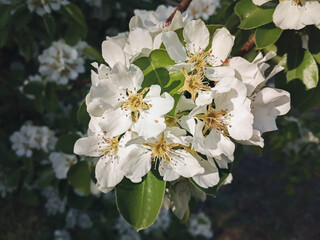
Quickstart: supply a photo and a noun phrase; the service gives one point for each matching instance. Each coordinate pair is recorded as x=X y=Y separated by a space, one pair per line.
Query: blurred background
x=275 y=191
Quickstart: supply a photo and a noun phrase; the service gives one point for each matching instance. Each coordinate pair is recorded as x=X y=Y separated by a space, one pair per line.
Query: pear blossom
x=42 y=7
x=31 y=138
x=200 y=225
x=295 y=14
x=168 y=150
x=54 y=203
x=61 y=234
x=61 y=63
x=110 y=150
x=61 y=163
x=202 y=9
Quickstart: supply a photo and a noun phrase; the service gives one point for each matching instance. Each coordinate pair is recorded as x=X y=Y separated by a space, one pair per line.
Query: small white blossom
x=54 y=204
x=200 y=225
x=61 y=234
x=42 y=7
x=61 y=63
x=295 y=14
x=31 y=138
x=61 y=163
x=202 y=9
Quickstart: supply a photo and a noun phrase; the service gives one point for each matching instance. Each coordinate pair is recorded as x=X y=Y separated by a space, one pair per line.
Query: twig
x=248 y=46
x=184 y=4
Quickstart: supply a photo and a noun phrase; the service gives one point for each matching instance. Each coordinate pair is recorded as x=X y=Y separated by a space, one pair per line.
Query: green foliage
x=66 y=142
x=79 y=177
x=140 y=203
x=251 y=15
x=267 y=35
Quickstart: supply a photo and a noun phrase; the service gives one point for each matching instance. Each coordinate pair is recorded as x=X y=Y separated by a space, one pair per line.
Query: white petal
x=126 y=78
x=116 y=122
x=113 y=53
x=222 y=43
x=108 y=172
x=160 y=105
x=87 y=146
x=256 y=139
x=174 y=47
x=260 y=2
x=216 y=73
x=210 y=177
x=204 y=98
x=196 y=35
x=139 y=39
x=181 y=66
x=286 y=16
x=184 y=104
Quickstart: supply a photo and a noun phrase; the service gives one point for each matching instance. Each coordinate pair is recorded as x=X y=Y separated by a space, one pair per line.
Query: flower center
x=214 y=119
x=199 y=60
x=109 y=146
x=135 y=103
x=160 y=149
x=193 y=83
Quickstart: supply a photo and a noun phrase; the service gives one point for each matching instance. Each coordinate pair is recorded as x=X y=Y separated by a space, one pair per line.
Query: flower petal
x=196 y=35
x=210 y=177
x=174 y=47
x=113 y=53
x=87 y=146
x=286 y=16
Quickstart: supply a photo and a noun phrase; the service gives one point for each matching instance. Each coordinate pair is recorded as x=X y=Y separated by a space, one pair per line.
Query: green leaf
x=75 y=12
x=46 y=177
x=313 y=43
x=28 y=197
x=82 y=115
x=66 y=142
x=79 y=177
x=267 y=35
x=73 y=34
x=49 y=24
x=140 y=203
x=4 y=36
x=13 y=178
x=94 y=53
x=34 y=88
x=301 y=65
x=21 y=17
x=253 y=16
x=4 y=15
x=51 y=100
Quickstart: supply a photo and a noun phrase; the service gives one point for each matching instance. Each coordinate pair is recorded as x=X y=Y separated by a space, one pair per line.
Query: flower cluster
x=202 y=9
x=31 y=138
x=61 y=62
x=42 y=7
x=223 y=101
x=295 y=14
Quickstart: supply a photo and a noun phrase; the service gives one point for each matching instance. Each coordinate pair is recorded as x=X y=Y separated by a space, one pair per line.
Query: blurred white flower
x=202 y=9
x=61 y=234
x=54 y=204
x=295 y=14
x=32 y=137
x=78 y=218
x=61 y=163
x=61 y=62
x=200 y=225
x=42 y=7
x=162 y=222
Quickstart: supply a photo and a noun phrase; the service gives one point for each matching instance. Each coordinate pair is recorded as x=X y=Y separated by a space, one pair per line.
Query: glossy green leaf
x=82 y=114
x=35 y=88
x=302 y=66
x=79 y=177
x=49 y=25
x=313 y=43
x=75 y=12
x=155 y=71
x=94 y=53
x=140 y=203
x=4 y=15
x=66 y=142
x=253 y=16
x=267 y=35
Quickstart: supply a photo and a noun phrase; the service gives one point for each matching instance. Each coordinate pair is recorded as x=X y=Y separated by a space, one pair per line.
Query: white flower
x=111 y=149
x=54 y=204
x=32 y=137
x=61 y=63
x=61 y=163
x=193 y=55
x=202 y=9
x=61 y=234
x=295 y=14
x=167 y=149
x=142 y=112
x=200 y=225
x=43 y=7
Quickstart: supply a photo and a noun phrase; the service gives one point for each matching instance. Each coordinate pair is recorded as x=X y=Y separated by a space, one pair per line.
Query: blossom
x=61 y=163
x=42 y=7
x=61 y=63
x=202 y=9
x=295 y=14
x=32 y=137
x=61 y=234
x=110 y=150
x=167 y=150
x=54 y=203
x=200 y=225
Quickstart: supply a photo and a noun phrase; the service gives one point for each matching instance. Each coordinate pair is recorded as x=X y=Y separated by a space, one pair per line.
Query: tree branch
x=248 y=46
x=184 y=4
